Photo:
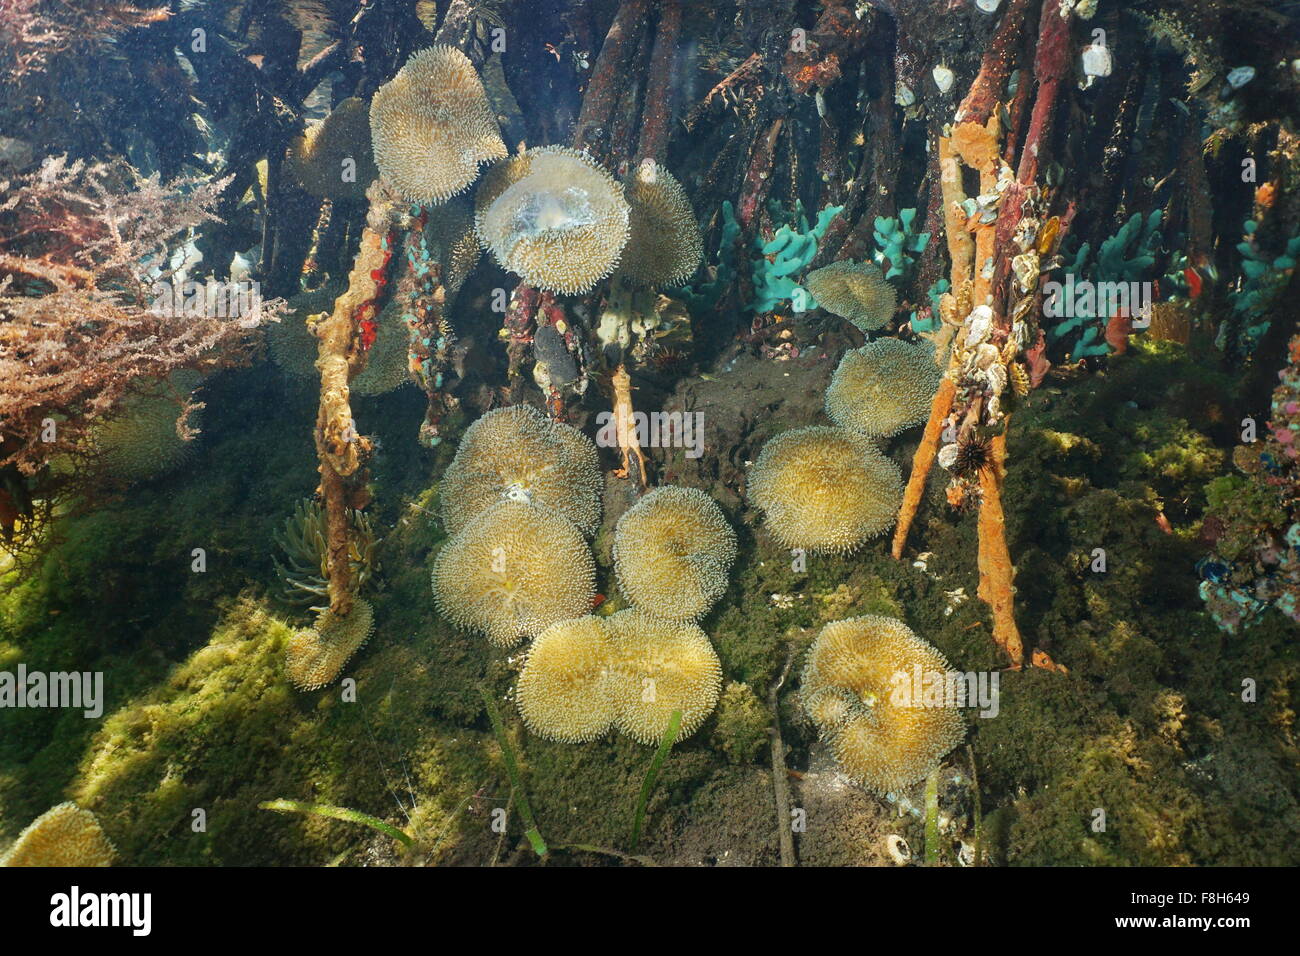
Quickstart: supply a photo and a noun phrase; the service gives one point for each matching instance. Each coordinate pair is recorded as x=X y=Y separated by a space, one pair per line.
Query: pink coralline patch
x=1036 y=357
x=1117 y=333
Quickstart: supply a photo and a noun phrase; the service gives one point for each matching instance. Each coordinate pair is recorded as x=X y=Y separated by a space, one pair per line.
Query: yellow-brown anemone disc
x=333 y=159
x=826 y=490
x=517 y=453
x=513 y=571
x=315 y=656
x=673 y=550
x=662 y=666
x=567 y=690
x=432 y=126
x=884 y=387
x=664 y=247
x=856 y=291
x=870 y=686
x=65 y=835
x=561 y=225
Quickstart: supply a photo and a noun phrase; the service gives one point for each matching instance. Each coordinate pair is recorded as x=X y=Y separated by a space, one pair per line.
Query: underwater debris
x=433 y=126
x=513 y=571
x=883 y=739
x=825 y=489
x=65 y=835
x=555 y=218
x=883 y=388
x=516 y=453
x=672 y=552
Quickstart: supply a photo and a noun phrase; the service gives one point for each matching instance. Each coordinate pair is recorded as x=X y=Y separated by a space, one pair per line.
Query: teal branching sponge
x=1127 y=256
x=1262 y=279
x=704 y=298
x=788 y=253
x=898 y=244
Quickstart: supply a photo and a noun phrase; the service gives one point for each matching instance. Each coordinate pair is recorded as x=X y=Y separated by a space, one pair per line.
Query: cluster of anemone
x=315 y=656
x=65 y=835
x=555 y=218
x=432 y=126
x=883 y=387
x=333 y=159
x=559 y=220
x=142 y=438
x=858 y=689
x=516 y=453
x=664 y=246
x=518 y=499
x=629 y=672
x=304 y=573
x=856 y=291
x=824 y=489
x=387 y=364
x=673 y=550
x=292 y=344
x=513 y=571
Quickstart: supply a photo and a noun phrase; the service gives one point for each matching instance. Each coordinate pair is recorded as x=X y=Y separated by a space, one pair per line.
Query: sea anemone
x=672 y=552
x=825 y=489
x=664 y=247
x=432 y=126
x=560 y=223
x=291 y=343
x=883 y=387
x=858 y=689
x=305 y=571
x=662 y=666
x=856 y=291
x=518 y=454
x=315 y=656
x=141 y=439
x=65 y=835
x=316 y=159
x=567 y=690
x=387 y=365
x=512 y=572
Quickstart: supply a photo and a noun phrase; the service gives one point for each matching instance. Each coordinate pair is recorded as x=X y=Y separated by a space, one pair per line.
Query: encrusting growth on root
x=341 y=356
